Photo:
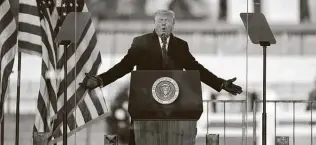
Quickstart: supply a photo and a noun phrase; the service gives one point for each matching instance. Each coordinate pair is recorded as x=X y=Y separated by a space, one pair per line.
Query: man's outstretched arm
x=125 y=66
x=208 y=77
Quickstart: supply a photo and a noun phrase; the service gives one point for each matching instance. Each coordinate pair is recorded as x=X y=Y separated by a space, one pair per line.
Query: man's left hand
x=232 y=88
x=91 y=82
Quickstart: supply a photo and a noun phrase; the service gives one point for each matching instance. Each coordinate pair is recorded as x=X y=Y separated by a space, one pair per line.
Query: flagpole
x=65 y=98
x=17 y=110
x=2 y=125
x=2 y=115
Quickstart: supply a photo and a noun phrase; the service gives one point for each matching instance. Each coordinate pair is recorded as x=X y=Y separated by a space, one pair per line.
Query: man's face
x=163 y=24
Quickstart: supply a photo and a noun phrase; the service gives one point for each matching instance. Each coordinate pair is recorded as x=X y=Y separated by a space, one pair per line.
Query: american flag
x=82 y=57
x=8 y=48
x=47 y=100
x=35 y=37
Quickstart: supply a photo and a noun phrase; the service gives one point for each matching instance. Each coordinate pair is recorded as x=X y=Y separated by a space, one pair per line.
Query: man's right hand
x=91 y=82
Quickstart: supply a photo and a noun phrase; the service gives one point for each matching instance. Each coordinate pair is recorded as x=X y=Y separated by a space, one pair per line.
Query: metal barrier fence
x=302 y=116
x=289 y=122
x=284 y=127
x=243 y=125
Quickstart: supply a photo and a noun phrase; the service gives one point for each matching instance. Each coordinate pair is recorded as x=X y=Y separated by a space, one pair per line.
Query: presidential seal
x=165 y=90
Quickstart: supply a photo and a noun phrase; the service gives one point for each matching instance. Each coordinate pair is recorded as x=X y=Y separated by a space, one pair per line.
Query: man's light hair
x=165 y=13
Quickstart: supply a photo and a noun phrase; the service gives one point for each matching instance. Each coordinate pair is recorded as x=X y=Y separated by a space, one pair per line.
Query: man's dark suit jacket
x=145 y=53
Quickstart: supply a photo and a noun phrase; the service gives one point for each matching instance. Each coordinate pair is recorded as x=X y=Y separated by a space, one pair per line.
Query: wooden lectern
x=165 y=106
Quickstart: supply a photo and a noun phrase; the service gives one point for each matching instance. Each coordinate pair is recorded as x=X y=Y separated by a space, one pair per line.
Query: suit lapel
x=171 y=44
x=156 y=47
x=171 y=52
x=155 y=41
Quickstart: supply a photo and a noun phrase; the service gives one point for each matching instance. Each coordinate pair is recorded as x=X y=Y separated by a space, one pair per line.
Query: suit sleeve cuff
x=222 y=84
x=101 y=84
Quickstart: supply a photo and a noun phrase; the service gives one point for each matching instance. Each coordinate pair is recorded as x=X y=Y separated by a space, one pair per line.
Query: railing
x=242 y=126
x=285 y=118
x=278 y=123
x=218 y=118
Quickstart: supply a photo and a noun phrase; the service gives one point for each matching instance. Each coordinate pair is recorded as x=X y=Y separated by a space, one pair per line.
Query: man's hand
x=91 y=82
x=232 y=88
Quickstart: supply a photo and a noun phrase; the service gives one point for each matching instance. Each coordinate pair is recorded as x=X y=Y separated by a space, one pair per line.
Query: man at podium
x=160 y=50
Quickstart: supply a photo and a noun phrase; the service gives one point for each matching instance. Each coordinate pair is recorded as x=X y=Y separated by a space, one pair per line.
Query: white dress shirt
x=162 y=43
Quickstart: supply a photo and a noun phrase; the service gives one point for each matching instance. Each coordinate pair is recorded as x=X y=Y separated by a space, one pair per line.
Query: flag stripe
x=102 y=101
x=4 y=7
x=79 y=117
x=30 y=48
x=48 y=30
x=6 y=29
x=43 y=113
x=27 y=19
x=97 y=105
x=72 y=122
x=38 y=121
x=58 y=133
x=5 y=60
x=49 y=49
x=85 y=111
x=30 y=28
x=91 y=108
x=10 y=42
x=29 y=9
x=29 y=2
x=6 y=18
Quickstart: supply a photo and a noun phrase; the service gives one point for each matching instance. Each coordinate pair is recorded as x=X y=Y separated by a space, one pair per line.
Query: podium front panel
x=144 y=106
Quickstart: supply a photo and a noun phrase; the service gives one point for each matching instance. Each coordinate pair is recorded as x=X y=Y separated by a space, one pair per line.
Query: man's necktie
x=164 y=51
